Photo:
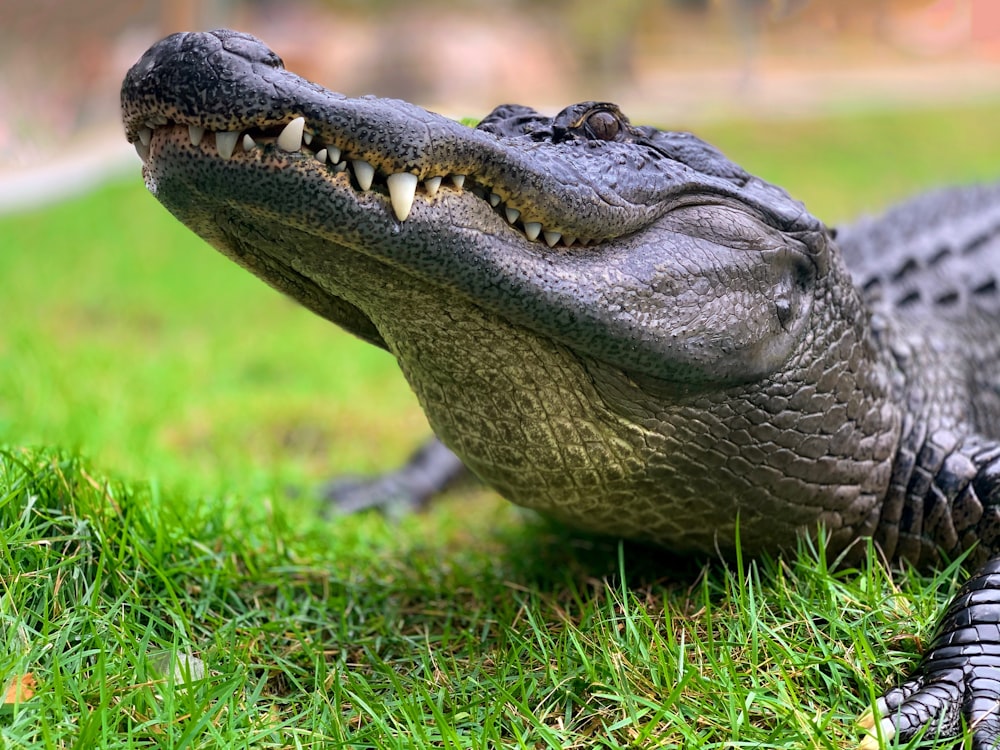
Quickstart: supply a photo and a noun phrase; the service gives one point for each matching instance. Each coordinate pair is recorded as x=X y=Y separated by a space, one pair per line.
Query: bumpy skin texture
x=618 y=326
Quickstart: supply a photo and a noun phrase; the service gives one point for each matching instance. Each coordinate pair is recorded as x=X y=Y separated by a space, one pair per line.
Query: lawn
x=167 y=579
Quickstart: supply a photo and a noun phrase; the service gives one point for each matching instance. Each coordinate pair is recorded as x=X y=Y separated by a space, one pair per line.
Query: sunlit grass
x=158 y=403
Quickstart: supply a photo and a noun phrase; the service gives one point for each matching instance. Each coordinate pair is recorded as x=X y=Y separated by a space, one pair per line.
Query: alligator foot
x=956 y=687
x=430 y=470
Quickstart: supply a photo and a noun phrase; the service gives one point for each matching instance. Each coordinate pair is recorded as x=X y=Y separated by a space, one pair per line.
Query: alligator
x=620 y=327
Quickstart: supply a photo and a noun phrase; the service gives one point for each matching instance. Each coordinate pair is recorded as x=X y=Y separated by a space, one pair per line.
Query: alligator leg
x=955 y=689
x=430 y=470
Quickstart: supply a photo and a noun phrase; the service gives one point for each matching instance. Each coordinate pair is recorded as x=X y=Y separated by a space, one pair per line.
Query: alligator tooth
x=225 y=141
x=568 y=241
x=340 y=166
x=532 y=229
x=145 y=135
x=870 y=740
x=551 y=238
x=867 y=719
x=195 y=133
x=142 y=150
x=494 y=200
x=512 y=214
x=290 y=139
x=307 y=137
x=249 y=144
x=321 y=156
x=458 y=180
x=402 y=188
x=364 y=172
x=431 y=184
x=333 y=154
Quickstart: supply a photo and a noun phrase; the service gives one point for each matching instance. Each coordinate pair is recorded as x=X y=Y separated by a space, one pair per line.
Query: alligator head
x=612 y=323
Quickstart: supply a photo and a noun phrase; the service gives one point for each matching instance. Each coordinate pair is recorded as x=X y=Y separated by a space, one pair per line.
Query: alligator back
x=940 y=250
x=929 y=270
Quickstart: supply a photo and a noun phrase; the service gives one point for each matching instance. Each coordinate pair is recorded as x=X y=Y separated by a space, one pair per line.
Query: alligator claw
x=955 y=690
x=940 y=704
x=869 y=720
x=385 y=492
x=428 y=472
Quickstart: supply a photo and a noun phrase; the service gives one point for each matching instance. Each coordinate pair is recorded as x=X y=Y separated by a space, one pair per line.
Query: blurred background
x=669 y=62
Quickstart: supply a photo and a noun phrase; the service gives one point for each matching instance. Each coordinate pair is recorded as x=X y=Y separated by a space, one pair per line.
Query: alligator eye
x=604 y=125
x=589 y=121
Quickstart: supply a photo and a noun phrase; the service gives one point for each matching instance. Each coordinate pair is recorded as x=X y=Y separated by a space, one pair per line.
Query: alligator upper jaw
x=229 y=91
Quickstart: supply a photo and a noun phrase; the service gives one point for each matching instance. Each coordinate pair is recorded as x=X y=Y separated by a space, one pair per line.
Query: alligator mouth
x=365 y=209
x=298 y=140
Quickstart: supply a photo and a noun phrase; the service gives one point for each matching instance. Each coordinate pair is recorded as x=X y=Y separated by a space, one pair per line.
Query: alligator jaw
x=228 y=94
x=291 y=144
x=596 y=243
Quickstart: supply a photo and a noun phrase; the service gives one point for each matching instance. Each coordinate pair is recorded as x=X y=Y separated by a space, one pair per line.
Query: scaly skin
x=621 y=328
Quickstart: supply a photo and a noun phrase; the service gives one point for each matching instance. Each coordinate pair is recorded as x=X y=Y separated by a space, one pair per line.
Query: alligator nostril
x=783 y=309
x=248 y=47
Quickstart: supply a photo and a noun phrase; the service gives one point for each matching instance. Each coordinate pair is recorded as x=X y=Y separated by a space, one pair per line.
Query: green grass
x=157 y=403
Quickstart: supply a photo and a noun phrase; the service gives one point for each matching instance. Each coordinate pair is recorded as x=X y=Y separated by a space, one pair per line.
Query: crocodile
x=620 y=327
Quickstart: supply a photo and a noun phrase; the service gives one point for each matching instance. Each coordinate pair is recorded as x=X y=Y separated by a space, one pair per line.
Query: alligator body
x=620 y=327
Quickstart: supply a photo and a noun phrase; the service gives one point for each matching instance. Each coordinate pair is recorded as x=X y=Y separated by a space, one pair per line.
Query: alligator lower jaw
x=293 y=142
